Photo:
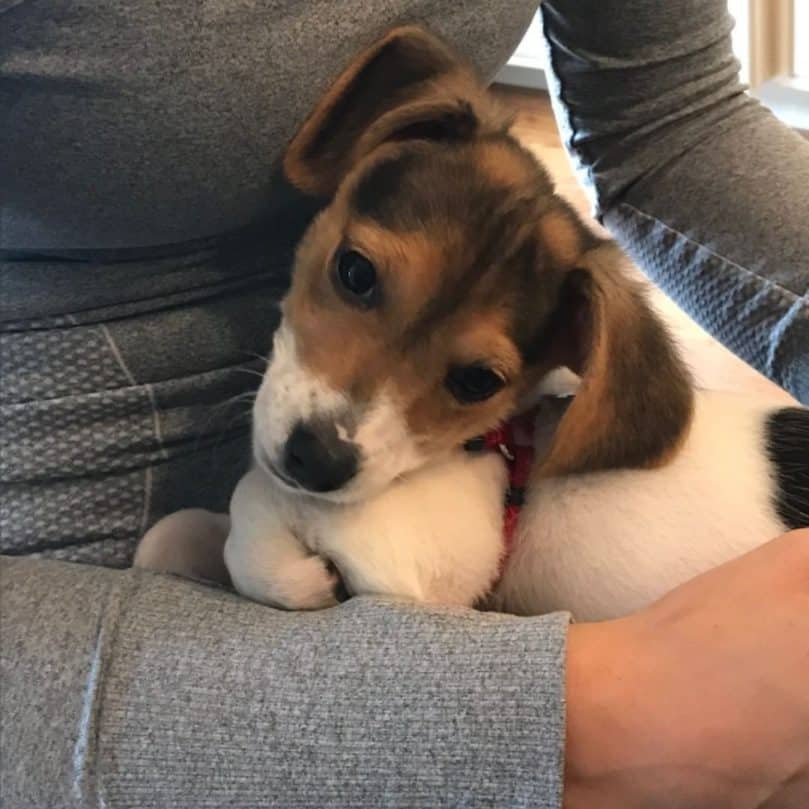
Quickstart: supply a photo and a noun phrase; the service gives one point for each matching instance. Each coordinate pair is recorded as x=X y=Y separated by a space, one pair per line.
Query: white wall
x=740 y=9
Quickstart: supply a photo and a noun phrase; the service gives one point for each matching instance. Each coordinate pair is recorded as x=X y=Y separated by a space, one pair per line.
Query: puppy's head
x=439 y=286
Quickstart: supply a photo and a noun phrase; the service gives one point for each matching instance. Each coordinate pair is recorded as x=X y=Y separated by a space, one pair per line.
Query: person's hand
x=702 y=700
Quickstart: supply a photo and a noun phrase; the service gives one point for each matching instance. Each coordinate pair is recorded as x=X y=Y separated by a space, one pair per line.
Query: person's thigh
x=108 y=423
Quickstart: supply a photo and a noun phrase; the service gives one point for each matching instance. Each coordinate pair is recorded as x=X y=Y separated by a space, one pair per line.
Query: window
x=801 y=40
x=740 y=10
x=779 y=57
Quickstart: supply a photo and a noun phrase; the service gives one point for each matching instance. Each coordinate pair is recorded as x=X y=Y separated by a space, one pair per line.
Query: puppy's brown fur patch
x=409 y=85
x=477 y=262
x=636 y=399
x=563 y=236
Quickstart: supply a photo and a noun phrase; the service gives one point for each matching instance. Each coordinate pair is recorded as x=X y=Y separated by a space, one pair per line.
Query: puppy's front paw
x=308 y=584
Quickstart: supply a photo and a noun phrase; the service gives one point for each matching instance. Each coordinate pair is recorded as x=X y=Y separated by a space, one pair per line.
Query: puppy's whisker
x=254 y=355
x=227 y=430
x=220 y=409
x=249 y=371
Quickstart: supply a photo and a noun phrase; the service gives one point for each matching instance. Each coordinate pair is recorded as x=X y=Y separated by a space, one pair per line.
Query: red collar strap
x=514 y=440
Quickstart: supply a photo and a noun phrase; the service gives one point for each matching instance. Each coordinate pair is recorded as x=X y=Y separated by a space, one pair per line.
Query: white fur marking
x=435 y=536
x=605 y=544
x=291 y=393
x=388 y=449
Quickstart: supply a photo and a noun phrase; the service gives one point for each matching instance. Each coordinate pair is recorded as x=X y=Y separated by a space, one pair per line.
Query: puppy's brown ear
x=408 y=85
x=635 y=400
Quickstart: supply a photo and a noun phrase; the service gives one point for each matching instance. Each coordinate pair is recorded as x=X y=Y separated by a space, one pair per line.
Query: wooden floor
x=713 y=366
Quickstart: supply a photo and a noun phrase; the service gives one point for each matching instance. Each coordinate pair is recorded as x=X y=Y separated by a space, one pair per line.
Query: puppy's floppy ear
x=634 y=403
x=408 y=85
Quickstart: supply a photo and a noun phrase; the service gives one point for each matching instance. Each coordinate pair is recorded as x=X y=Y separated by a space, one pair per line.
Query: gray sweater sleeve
x=124 y=689
x=704 y=186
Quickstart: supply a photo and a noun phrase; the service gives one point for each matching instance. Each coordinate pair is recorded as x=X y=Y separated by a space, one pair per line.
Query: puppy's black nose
x=318 y=459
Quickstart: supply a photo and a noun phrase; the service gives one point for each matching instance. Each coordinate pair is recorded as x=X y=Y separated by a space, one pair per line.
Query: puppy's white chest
x=434 y=536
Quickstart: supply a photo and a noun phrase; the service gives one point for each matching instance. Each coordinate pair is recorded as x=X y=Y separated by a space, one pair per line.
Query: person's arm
x=128 y=689
x=702 y=700
x=705 y=188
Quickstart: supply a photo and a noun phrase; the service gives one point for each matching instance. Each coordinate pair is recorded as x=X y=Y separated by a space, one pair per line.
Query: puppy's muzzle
x=317 y=459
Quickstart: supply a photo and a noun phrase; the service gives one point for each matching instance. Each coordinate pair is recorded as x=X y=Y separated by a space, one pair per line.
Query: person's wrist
x=597 y=703
x=627 y=747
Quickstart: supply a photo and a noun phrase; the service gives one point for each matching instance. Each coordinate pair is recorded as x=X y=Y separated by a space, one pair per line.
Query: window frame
x=772 y=61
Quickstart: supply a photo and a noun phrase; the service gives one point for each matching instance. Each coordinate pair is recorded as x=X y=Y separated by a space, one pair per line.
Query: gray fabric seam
x=94 y=713
x=777 y=347
x=147 y=499
x=787 y=294
x=147 y=472
x=147 y=385
x=90 y=713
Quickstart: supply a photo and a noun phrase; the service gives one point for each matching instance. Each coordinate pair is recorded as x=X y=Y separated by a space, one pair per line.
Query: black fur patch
x=787 y=433
x=445 y=126
x=377 y=193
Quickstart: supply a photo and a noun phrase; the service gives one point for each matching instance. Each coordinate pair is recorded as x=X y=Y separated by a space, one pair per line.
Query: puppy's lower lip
x=282 y=477
x=267 y=465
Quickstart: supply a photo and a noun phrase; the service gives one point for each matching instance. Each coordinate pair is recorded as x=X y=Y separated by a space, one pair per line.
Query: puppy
x=438 y=294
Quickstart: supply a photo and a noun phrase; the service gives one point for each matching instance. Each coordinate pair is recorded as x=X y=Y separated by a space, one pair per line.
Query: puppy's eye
x=473 y=383
x=356 y=275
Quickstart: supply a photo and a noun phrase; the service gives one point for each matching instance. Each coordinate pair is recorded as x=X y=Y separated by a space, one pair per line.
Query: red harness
x=514 y=440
